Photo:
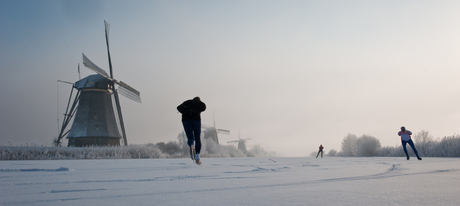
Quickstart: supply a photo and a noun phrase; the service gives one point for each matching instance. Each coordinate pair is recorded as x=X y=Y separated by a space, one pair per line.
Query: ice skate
x=192 y=152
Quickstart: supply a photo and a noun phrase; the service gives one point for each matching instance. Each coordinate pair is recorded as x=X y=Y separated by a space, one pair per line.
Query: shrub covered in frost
x=332 y=152
x=425 y=144
x=171 y=149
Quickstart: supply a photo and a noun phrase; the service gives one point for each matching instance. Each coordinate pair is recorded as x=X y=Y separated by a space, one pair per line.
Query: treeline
x=62 y=153
x=171 y=149
x=426 y=145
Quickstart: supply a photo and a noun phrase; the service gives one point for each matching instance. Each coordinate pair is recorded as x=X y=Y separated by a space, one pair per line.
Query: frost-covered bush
x=332 y=152
x=389 y=151
x=258 y=151
x=313 y=154
x=425 y=144
x=171 y=149
x=448 y=147
x=59 y=153
x=365 y=145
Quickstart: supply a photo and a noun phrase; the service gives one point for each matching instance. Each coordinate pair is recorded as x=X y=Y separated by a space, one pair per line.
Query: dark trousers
x=193 y=130
x=321 y=154
x=411 y=145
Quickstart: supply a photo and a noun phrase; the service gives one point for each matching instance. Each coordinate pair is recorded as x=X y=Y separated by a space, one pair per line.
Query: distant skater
x=191 y=120
x=406 y=139
x=320 y=150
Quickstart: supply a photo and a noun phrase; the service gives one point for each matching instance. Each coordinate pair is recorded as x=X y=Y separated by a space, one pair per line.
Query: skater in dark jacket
x=191 y=120
x=320 y=150
x=406 y=139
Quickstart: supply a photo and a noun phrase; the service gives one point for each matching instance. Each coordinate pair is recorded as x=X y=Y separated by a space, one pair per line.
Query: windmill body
x=95 y=120
x=212 y=132
x=241 y=143
x=242 y=146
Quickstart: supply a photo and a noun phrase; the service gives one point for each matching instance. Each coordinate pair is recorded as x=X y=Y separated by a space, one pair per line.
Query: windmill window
x=97 y=127
x=95 y=116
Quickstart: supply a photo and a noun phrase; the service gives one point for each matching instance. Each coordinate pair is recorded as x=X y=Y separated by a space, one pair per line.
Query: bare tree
x=423 y=137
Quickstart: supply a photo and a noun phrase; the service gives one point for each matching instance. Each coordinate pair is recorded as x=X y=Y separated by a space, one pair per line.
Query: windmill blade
x=90 y=65
x=206 y=126
x=223 y=131
x=120 y=117
x=233 y=141
x=129 y=92
x=107 y=27
x=247 y=139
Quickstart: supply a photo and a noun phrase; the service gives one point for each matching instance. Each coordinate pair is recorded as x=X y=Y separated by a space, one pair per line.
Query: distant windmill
x=98 y=120
x=212 y=132
x=241 y=143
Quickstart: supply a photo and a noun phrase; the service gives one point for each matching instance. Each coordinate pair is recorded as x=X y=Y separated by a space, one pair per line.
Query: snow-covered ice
x=232 y=181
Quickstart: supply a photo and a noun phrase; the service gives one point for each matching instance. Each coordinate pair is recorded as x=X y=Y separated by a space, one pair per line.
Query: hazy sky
x=289 y=74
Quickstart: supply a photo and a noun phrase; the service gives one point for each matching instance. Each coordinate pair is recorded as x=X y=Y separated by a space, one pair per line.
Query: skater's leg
x=404 y=147
x=318 y=154
x=321 y=153
x=413 y=147
x=197 y=133
x=188 y=127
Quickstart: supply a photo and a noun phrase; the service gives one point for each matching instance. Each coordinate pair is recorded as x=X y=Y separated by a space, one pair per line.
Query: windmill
x=241 y=143
x=98 y=119
x=212 y=132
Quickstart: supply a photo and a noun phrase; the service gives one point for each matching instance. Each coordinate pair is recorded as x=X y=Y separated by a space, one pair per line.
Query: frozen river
x=232 y=181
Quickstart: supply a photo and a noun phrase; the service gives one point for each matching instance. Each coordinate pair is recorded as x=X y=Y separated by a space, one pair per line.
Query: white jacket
x=405 y=135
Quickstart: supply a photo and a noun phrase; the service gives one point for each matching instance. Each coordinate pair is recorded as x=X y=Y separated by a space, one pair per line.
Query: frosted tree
x=349 y=145
x=424 y=143
x=367 y=146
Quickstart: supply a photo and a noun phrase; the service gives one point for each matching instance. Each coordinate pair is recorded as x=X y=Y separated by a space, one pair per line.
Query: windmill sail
x=107 y=27
x=90 y=65
x=120 y=117
x=129 y=92
x=223 y=131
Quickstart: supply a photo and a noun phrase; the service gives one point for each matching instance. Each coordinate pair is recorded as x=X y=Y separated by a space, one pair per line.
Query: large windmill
x=96 y=107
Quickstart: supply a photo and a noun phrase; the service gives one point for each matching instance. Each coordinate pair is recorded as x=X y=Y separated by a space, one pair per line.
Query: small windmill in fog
x=212 y=132
x=241 y=143
x=98 y=119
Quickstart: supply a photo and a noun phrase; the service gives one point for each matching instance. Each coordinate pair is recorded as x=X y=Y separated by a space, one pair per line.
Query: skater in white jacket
x=406 y=139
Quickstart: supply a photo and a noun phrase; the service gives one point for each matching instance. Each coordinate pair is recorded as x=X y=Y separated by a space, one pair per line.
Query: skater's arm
x=182 y=108
x=202 y=107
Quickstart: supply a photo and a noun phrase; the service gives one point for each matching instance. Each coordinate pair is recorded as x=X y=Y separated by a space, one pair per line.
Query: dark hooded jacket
x=191 y=109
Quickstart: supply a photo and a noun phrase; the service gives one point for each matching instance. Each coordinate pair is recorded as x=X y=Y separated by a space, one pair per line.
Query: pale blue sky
x=289 y=74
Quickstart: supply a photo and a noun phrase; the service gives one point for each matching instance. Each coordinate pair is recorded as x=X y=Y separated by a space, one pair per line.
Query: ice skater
x=191 y=120
x=406 y=139
x=320 y=150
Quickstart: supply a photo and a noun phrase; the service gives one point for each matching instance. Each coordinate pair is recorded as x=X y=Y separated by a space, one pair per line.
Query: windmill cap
x=95 y=81
x=197 y=98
